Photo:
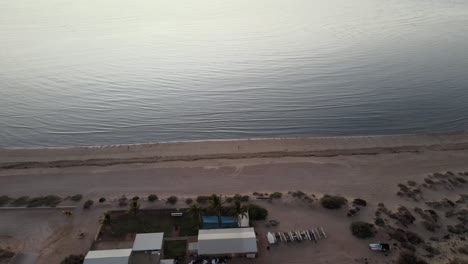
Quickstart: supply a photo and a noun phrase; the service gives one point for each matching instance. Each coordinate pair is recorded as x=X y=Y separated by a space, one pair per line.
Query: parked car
x=379 y=247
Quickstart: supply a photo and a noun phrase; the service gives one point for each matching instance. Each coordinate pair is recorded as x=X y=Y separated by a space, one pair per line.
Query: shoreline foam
x=229 y=149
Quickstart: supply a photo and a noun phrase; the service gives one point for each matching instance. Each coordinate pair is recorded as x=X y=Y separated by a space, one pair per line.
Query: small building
x=147 y=248
x=112 y=256
x=228 y=241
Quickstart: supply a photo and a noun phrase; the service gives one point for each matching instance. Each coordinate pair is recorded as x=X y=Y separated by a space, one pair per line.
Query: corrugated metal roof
x=227 y=241
x=149 y=241
x=113 y=256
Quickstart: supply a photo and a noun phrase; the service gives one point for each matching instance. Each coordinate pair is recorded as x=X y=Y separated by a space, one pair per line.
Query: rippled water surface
x=93 y=72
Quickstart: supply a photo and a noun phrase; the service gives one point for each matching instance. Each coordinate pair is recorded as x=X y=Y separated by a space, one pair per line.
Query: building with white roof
x=113 y=256
x=148 y=242
x=228 y=241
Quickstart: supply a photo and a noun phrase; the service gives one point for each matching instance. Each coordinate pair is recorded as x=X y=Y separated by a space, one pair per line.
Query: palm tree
x=195 y=212
x=134 y=207
x=216 y=203
x=106 y=219
x=239 y=211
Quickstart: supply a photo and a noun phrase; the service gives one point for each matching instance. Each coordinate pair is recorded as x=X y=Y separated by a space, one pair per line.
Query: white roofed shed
x=113 y=256
x=228 y=241
x=148 y=242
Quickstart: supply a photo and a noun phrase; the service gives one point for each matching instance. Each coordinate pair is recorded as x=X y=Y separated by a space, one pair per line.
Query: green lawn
x=149 y=222
x=175 y=249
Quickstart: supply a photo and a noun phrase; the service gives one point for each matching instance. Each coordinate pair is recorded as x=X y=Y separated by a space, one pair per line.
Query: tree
x=134 y=207
x=106 y=219
x=362 y=229
x=216 y=203
x=240 y=211
x=332 y=201
x=195 y=212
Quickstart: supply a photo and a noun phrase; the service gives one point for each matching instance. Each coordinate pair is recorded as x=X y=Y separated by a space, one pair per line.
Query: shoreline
x=462 y=132
x=229 y=149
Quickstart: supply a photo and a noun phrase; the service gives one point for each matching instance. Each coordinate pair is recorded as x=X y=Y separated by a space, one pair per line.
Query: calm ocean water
x=94 y=72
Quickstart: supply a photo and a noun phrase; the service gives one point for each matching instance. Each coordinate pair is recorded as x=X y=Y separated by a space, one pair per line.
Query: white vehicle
x=379 y=247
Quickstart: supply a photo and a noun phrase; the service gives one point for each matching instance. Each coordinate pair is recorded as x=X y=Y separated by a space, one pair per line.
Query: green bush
x=409 y=258
x=333 y=201
x=4 y=200
x=276 y=195
x=88 y=204
x=152 y=197
x=23 y=200
x=359 y=202
x=458 y=261
x=49 y=200
x=229 y=199
x=298 y=194
x=172 y=200
x=73 y=259
x=76 y=197
x=379 y=221
x=102 y=199
x=244 y=198
x=189 y=201
x=135 y=198
x=362 y=229
x=203 y=199
x=256 y=212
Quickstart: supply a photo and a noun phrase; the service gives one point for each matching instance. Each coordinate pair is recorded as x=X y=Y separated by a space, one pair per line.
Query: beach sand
x=355 y=167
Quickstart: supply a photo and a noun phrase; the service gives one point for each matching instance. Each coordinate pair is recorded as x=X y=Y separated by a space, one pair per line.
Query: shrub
x=413 y=238
x=411 y=183
x=409 y=258
x=257 y=213
x=88 y=204
x=359 y=202
x=23 y=200
x=298 y=194
x=76 y=197
x=123 y=201
x=102 y=199
x=4 y=200
x=135 y=198
x=244 y=198
x=332 y=201
x=430 y=226
x=255 y=194
x=73 y=259
x=276 y=195
x=152 y=197
x=229 y=199
x=49 y=200
x=428 y=181
x=463 y=250
x=172 y=200
x=189 y=201
x=203 y=199
x=460 y=179
x=458 y=261
x=362 y=229
x=431 y=250
x=6 y=255
x=379 y=222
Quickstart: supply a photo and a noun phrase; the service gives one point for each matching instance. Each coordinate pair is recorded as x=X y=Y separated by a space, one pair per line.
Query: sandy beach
x=364 y=167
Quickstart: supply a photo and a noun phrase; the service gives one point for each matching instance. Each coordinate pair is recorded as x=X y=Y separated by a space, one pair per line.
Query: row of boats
x=313 y=234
